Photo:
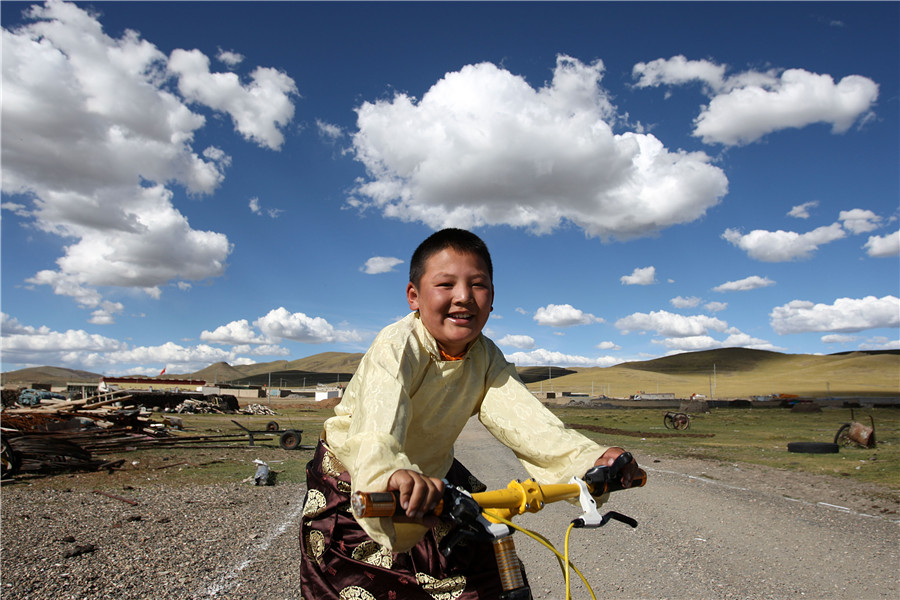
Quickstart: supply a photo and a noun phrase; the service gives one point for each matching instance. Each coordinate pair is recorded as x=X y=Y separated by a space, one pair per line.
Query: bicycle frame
x=487 y=515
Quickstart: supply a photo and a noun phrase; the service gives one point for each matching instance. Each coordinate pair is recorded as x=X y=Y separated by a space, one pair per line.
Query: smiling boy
x=414 y=391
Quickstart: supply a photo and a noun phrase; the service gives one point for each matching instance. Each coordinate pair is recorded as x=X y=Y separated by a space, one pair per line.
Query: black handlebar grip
x=618 y=464
x=599 y=488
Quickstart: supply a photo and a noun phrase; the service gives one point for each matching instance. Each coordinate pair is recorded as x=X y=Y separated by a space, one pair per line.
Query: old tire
x=272 y=426
x=11 y=460
x=813 y=447
x=290 y=439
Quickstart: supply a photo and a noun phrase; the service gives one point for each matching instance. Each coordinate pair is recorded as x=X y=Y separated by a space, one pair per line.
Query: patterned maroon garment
x=340 y=562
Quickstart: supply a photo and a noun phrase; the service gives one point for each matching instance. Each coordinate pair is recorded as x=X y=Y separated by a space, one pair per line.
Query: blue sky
x=187 y=183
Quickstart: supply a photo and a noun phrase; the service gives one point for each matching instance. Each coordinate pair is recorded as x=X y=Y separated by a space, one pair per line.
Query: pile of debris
x=56 y=436
x=209 y=405
x=59 y=435
x=257 y=409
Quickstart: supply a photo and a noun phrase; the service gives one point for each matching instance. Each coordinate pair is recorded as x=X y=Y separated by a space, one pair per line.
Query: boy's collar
x=431 y=345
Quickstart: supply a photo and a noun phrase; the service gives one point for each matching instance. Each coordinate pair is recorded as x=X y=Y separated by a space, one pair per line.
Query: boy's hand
x=629 y=471
x=418 y=494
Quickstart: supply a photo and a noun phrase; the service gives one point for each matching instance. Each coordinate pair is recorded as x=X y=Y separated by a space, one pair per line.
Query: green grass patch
x=756 y=436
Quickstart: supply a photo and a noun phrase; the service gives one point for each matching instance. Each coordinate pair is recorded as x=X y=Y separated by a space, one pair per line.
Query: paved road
x=700 y=538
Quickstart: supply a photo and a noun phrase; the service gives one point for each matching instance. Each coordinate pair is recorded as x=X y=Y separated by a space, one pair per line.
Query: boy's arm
x=550 y=452
x=372 y=446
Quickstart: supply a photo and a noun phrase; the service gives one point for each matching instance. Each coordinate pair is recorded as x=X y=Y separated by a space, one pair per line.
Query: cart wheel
x=669 y=421
x=272 y=426
x=682 y=421
x=290 y=439
x=842 y=437
x=11 y=460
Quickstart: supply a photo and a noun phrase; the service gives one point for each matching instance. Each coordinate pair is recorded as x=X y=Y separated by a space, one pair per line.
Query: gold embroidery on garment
x=343 y=486
x=332 y=466
x=315 y=544
x=441 y=530
x=315 y=504
x=355 y=592
x=374 y=553
x=442 y=589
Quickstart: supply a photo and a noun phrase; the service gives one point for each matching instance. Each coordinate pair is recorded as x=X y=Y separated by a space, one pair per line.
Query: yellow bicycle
x=487 y=516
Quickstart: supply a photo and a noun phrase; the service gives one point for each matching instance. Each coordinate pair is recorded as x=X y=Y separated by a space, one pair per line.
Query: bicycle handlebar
x=518 y=497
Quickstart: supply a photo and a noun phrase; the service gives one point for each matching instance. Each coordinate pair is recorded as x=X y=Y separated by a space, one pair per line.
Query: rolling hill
x=724 y=373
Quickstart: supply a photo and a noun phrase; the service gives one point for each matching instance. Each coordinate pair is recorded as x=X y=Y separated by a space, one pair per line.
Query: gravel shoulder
x=707 y=530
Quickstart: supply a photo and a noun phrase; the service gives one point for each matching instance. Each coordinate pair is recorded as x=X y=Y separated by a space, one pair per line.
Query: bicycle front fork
x=514 y=587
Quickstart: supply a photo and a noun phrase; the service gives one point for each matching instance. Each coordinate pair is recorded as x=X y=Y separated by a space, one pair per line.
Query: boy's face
x=454 y=298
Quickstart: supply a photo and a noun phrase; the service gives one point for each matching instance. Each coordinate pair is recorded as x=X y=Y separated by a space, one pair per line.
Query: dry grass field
x=740 y=373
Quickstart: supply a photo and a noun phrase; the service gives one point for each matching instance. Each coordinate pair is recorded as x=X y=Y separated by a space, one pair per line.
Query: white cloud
x=880 y=343
x=329 y=131
x=483 y=147
x=714 y=307
x=380 y=264
x=105 y=315
x=35 y=346
x=20 y=210
x=523 y=342
x=259 y=110
x=280 y=324
x=678 y=70
x=781 y=246
x=838 y=338
x=563 y=315
x=94 y=133
x=257 y=209
x=682 y=302
x=883 y=246
x=846 y=315
x=801 y=211
x=859 y=220
x=607 y=345
x=705 y=342
x=230 y=58
x=742 y=285
x=11 y=325
x=236 y=332
x=749 y=105
x=669 y=324
x=542 y=357
x=796 y=99
x=644 y=276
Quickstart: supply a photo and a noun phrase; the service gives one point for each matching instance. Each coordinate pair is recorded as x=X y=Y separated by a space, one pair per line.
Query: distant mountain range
x=730 y=371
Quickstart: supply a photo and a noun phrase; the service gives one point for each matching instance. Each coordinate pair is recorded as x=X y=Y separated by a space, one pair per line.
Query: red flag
x=163 y=372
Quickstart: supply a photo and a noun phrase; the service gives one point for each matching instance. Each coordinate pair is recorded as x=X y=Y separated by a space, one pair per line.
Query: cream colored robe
x=405 y=407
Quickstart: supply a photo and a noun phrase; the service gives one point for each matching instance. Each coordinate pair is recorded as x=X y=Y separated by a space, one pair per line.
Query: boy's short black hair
x=457 y=239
